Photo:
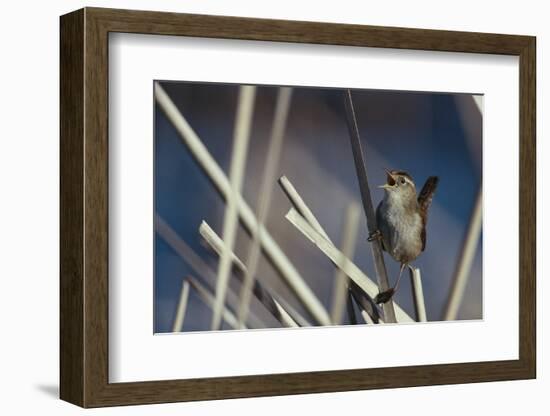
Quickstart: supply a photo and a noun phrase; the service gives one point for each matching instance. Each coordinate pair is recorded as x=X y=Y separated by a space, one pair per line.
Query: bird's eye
x=403 y=182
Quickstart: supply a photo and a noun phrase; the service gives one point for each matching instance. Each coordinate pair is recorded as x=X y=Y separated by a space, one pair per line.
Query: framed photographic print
x=259 y=207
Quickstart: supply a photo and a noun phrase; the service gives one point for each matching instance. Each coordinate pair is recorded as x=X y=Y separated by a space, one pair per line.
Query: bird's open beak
x=390 y=179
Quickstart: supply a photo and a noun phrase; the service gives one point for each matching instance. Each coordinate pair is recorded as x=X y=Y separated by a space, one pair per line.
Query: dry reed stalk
x=418 y=294
x=367 y=318
x=269 y=246
x=210 y=300
x=349 y=237
x=263 y=295
x=182 y=307
x=241 y=137
x=365 y=302
x=199 y=266
x=300 y=205
x=361 y=170
x=341 y=261
x=465 y=260
x=265 y=196
x=295 y=315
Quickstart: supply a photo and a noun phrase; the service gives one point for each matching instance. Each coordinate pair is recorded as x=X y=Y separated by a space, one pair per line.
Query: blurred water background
x=422 y=133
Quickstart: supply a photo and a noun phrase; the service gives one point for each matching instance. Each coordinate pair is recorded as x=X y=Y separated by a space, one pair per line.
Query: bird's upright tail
x=426 y=194
x=424 y=201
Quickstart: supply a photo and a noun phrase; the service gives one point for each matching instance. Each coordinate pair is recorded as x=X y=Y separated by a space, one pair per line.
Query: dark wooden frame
x=84 y=209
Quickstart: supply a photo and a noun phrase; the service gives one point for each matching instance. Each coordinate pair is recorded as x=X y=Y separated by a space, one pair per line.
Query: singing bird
x=401 y=219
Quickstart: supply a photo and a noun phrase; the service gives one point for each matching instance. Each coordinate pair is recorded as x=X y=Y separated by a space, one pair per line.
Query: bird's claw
x=384 y=297
x=375 y=235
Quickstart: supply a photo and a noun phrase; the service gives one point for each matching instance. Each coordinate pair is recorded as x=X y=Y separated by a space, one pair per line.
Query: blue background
x=422 y=133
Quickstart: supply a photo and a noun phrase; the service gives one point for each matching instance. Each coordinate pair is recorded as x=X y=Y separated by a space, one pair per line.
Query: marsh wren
x=401 y=218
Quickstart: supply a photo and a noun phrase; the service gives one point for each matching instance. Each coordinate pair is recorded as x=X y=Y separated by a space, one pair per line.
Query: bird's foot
x=384 y=296
x=375 y=235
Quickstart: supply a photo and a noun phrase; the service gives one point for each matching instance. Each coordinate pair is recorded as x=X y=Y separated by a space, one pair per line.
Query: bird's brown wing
x=424 y=200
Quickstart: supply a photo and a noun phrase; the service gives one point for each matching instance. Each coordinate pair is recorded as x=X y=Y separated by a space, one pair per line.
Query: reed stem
x=182 y=307
x=269 y=246
x=465 y=260
x=361 y=170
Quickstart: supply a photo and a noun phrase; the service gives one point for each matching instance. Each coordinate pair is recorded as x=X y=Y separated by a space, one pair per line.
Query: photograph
x=264 y=205
x=280 y=207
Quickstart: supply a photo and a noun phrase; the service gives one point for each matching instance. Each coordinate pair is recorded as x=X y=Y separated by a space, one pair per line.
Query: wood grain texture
x=84 y=207
x=71 y=214
x=528 y=209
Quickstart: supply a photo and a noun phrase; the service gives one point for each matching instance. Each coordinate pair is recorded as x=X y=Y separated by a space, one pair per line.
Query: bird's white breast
x=403 y=231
